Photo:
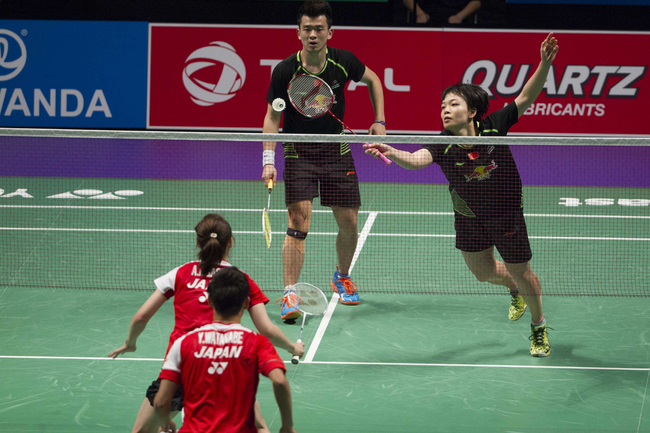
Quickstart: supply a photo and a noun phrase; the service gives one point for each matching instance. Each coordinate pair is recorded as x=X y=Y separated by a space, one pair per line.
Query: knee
x=297 y=219
x=483 y=274
x=481 y=277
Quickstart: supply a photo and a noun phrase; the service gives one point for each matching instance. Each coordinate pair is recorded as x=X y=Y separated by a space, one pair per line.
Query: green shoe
x=539 y=345
x=517 y=307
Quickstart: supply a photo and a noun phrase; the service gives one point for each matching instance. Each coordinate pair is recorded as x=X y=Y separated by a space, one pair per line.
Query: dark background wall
x=391 y=13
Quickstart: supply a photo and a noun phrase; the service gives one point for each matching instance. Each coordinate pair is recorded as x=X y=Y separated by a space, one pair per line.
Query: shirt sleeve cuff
x=171 y=375
x=270 y=365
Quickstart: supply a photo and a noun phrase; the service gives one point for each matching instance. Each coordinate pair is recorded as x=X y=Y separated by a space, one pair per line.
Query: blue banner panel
x=73 y=74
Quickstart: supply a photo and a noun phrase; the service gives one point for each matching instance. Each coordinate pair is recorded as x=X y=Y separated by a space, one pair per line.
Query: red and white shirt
x=218 y=366
x=189 y=289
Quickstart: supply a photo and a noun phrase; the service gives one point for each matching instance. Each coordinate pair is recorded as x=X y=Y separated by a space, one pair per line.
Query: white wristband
x=268 y=157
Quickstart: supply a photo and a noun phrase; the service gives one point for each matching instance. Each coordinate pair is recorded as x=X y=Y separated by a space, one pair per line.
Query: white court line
x=381 y=364
x=638 y=428
x=184 y=209
x=313 y=347
x=372 y=215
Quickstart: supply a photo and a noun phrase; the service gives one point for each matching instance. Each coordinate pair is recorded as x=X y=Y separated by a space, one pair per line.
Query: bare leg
x=293 y=250
x=346 y=240
x=529 y=287
x=488 y=269
x=145 y=422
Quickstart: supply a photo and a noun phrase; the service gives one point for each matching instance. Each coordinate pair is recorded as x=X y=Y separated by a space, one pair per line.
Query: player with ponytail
x=188 y=285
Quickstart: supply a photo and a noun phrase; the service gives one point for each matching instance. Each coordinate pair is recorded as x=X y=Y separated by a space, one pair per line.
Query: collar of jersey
x=301 y=68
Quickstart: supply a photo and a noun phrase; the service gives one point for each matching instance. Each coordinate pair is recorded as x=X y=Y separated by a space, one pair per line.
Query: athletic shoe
x=517 y=307
x=539 y=345
x=289 y=311
x=346 y=288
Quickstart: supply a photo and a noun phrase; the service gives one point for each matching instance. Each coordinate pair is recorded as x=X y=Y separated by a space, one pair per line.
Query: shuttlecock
x=278 y=104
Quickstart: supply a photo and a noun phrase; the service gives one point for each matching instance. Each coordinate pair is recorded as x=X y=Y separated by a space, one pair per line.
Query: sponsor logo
x=95 y=194
x=11 y=63
x=574 y=201
x=217 y=367
x=575 y=80
x=482 y=172
x=202 y=63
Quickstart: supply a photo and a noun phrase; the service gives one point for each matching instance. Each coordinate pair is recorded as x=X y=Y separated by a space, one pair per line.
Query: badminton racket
x=266 y=222
x=311 y=302
x=313 y=97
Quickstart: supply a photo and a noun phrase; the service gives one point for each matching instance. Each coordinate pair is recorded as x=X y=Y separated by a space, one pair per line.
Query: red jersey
x=218 y=366
x=189 y=289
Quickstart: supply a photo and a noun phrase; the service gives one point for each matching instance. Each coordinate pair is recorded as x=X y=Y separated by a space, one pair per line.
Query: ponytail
x=213 y=234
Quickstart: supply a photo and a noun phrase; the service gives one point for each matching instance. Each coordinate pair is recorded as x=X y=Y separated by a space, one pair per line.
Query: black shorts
x=336 y=177
x=508 y=235
x=177 y=400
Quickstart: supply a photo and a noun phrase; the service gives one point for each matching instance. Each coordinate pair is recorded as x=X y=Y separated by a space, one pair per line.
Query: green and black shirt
x=341 y=66
x=483 y=180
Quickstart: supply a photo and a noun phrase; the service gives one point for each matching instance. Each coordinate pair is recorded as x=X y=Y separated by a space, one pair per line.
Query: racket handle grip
x=385 y=159
x=270 y=185
x=296 y=358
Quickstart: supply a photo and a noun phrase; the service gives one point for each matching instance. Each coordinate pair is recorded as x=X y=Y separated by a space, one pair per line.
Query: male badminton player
x=310 y=167
x=486 y=191
x=218 y=366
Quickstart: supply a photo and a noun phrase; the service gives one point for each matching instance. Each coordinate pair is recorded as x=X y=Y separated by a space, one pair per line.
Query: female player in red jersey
x=486 y=191
x=188 y=285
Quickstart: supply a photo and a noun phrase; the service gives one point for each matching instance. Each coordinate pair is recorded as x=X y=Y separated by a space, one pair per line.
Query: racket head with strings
x=310 y=95
x=311 y=302
x=313 y=97
x=266 y=222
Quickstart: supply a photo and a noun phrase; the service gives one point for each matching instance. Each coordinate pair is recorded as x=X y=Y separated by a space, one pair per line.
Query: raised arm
x=535 y=84
x=376 y=92
x=271 y=126
x=139 y=322
x=410 y=161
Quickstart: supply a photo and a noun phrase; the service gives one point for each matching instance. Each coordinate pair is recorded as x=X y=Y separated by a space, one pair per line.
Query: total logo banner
x=73 y=74
x=217 y=77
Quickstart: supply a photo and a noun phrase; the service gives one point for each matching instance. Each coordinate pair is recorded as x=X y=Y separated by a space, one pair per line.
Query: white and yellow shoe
x=539 y=345
x=517 y=307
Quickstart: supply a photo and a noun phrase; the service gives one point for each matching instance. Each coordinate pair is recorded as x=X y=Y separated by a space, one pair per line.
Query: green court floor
x=418 y=354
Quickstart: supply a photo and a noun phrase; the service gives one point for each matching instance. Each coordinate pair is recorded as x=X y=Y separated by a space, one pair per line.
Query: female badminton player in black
x=486 y=191
x=188 y=285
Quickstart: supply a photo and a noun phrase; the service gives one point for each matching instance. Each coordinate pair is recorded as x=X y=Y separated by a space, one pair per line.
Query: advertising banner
x=73 y=74
x=595 y=84
x=217 y=77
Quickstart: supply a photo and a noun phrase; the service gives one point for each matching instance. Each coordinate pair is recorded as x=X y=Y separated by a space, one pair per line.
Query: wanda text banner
x=77 y=74
x=217 y=77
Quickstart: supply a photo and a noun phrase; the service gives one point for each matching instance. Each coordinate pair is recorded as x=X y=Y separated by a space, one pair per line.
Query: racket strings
x=310 y=95
x=311 y=301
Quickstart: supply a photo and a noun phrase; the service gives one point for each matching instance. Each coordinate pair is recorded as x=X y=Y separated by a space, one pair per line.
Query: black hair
x=474 y=96
x=228 y=291
x=212 y=235
x=314 y=9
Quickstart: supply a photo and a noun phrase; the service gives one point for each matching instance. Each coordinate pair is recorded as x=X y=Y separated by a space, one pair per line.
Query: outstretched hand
x=549 y=49
x=375 y=149
x=122 y=349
